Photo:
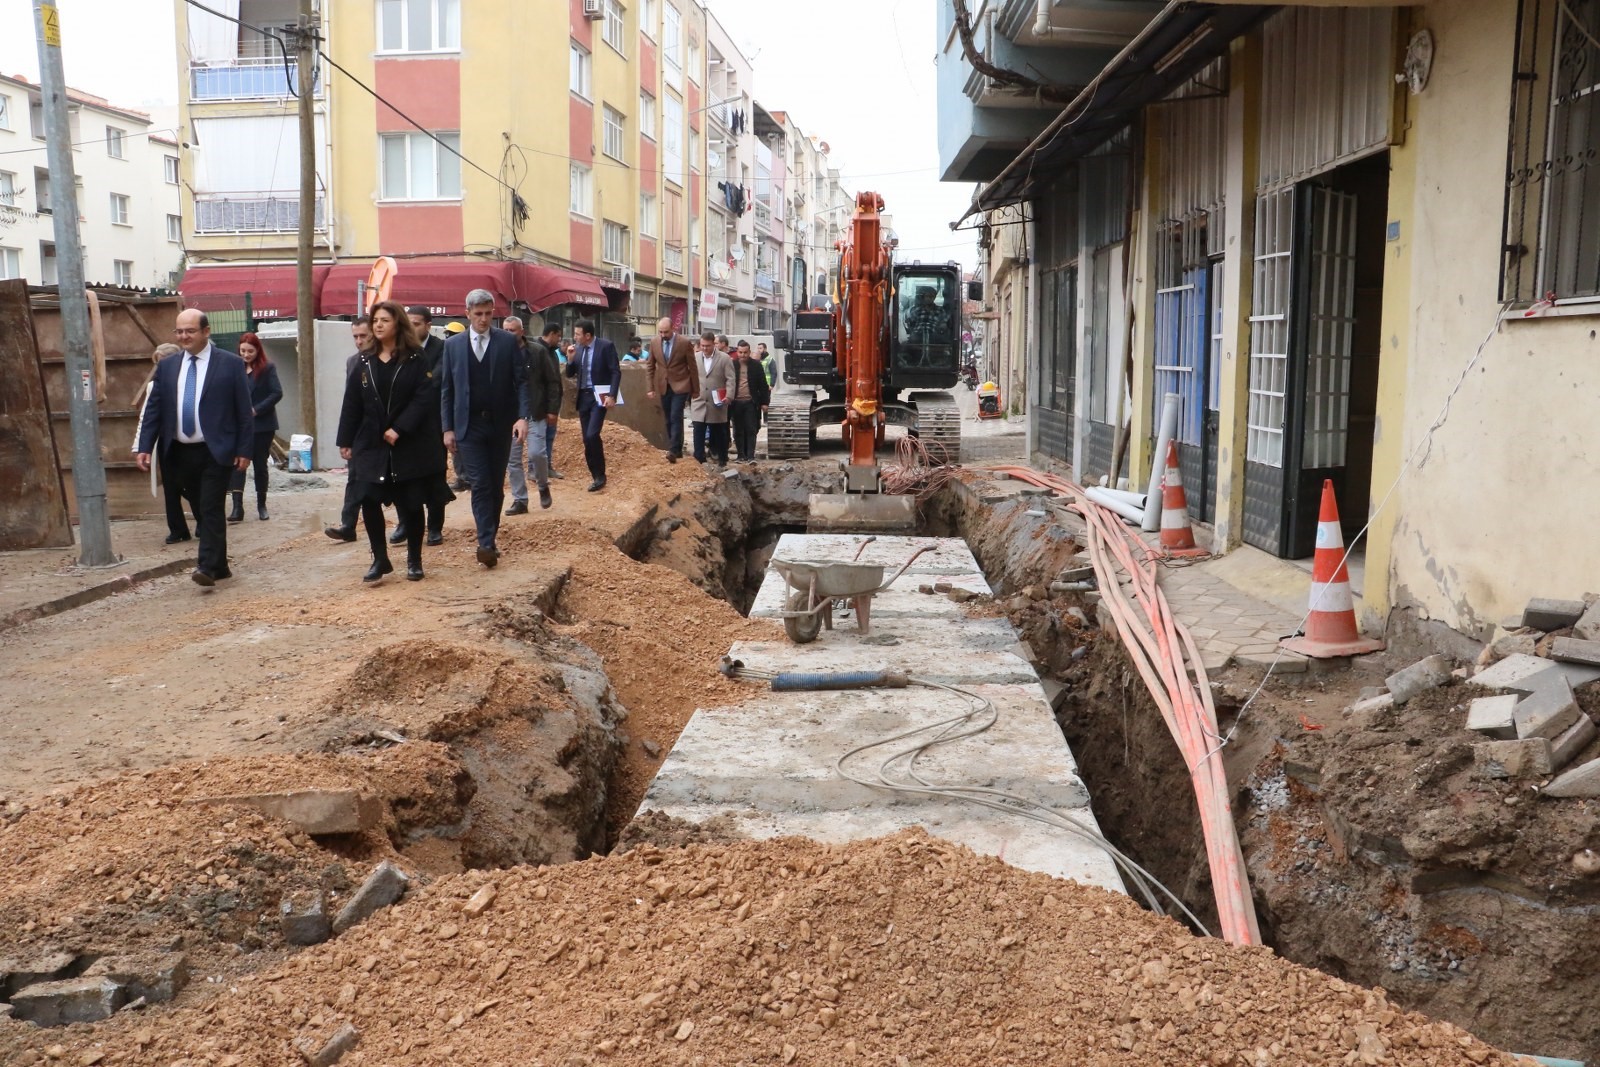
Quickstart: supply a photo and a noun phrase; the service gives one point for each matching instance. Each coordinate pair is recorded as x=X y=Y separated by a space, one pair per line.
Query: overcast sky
x=859 y=74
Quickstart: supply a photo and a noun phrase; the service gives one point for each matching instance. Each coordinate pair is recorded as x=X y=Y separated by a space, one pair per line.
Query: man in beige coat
x=708 y=412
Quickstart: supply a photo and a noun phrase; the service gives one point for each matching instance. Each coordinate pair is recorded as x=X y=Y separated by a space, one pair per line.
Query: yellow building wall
x=616 y=188
x=352 y=38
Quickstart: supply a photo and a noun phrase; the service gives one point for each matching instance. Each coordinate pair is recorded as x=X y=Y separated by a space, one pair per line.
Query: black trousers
x=260 y=448
x=177 y=522
x=592 y=419
x=410 y=518
x=745 y=418
x=672 y=405
x=483 y=452
x=204 y=484
x=717 y=441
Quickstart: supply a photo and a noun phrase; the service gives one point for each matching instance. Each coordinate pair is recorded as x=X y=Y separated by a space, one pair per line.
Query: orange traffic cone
x=1177 y=536
x=1331 y=626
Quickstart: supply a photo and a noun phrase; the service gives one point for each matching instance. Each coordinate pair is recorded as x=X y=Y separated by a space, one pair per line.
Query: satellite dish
x=1418 y=62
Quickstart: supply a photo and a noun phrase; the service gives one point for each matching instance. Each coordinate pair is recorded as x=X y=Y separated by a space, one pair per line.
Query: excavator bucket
x=863 y=512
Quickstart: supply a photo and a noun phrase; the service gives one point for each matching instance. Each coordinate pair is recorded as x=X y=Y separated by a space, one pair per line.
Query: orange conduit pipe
x=1168 y=661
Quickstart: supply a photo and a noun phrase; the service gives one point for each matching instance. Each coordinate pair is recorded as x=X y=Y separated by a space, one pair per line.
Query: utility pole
x=88 y=470
x=305 y=310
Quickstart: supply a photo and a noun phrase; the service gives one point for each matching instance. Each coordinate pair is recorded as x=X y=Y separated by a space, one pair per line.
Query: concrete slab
x=1510 y=671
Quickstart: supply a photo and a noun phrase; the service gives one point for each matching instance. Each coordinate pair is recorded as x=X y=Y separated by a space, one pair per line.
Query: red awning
x=271 y=287
x=545 y=287
x=441 y=285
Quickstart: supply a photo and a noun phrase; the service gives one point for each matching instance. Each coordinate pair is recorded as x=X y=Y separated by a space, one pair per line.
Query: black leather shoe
x=518 y=507
x=201 y=578
x=338 y=533
x=173 y=539
x=261 y=513
x=556 y=474
x=435 y=537
x=414 y=572
x=379 y=568
x=544 y=497
x=672 y=457
x=489 y=557
x=223 y=575
x=597 y=485
x=398 y=536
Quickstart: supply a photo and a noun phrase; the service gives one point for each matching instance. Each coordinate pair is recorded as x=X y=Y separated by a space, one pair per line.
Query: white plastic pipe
x=1131 y=512
x=1169 y=429
x=1136 y=499
x=1041 y=19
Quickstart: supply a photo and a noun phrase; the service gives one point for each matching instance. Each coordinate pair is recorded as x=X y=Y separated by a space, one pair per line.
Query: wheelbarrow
x=815 y=586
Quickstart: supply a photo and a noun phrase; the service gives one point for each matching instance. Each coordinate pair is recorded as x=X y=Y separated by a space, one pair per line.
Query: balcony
x=766 y=283
x=763 y=215
x=267 y=212
x=249 y=78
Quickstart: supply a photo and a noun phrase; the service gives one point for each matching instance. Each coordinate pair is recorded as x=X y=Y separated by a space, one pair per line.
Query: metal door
x=1183 y=324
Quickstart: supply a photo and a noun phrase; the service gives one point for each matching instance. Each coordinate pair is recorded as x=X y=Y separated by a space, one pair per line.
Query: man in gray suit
x=483 y=402
x=708 y=412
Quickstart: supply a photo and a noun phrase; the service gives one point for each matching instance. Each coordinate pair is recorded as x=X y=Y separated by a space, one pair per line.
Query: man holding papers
x=598 y=374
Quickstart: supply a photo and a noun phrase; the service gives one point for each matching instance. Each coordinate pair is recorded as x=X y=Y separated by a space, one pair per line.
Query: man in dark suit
x=483 y=403
x=198 y=416
x=675 y=378
x=598 y=374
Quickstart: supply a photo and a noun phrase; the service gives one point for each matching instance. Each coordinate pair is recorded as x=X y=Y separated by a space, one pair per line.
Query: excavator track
x=938 y=425
x=789 y=433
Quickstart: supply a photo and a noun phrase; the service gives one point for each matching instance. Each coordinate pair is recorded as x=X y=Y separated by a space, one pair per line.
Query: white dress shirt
x=201 y=366
x=480 y=344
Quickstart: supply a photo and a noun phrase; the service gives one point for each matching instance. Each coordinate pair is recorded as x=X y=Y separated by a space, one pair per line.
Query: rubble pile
x=898 y=950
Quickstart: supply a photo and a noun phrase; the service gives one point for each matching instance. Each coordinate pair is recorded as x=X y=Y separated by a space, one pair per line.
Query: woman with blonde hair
x=177 y=524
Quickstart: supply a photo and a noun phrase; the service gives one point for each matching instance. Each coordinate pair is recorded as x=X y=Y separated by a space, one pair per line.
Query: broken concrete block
x=1567 y=747
x=650 y=748
x=304 y=921
x=1572 y=650
x=1370 y=704
x=1510 y=671
x=1575 y=675
x=1421 y=676
x=382 y=888
x=479 y=901
x=1547 y=712
x=1514 y=645
x=73 y=1000
x=1495 y=716
x=330 y=1051
x=316 y=811
x=1529 y=758
x=28 y=970
x=155 y=976
x=1076 y=574
x=1581 y=781
x=1588 y=627
x=960 y=595
x=1546 y=614
x=1054 y=692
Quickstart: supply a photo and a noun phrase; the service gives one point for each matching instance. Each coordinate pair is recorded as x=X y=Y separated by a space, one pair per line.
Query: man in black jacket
x=544 y=405
x=748 y=397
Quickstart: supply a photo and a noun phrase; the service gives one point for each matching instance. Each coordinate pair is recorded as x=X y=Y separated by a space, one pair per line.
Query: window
x=694 y=149
x=10 y=262
x=175 y=229
x=36 y=119
x=5 y=112
x=674 y=218
x=647 y=215
x=123 y=271
x=647 y=115
x=119 y=209
x=579 y=78
x=613 y=143
x=114 y=143
x=169 y=169
x=672 y=141
x=419 y=25
x=416 y=167
x=647 y=18
x=671 y=44
x=1551 y=228
x=614 y=246
x=41 y=190
x=581 y=198
x=616 y=27
x=695 y=70
x=47 y=263
x=8 y=188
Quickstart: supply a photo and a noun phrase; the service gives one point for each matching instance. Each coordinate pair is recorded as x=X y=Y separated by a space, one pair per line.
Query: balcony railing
x=765 y=282
x=244 y=79
x=763 y=215
x=250 y=213
x=672 y=259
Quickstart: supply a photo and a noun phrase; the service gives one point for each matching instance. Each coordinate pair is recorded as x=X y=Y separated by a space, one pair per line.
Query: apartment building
x=127 y=186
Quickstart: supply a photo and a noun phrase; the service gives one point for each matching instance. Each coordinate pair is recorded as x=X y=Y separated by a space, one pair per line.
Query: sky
x=859 y=74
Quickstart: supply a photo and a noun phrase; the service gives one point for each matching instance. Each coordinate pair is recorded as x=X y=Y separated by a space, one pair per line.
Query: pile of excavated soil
x=900 y=950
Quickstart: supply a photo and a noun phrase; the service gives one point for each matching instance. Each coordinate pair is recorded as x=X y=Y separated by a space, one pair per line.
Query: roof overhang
x=1173 y=48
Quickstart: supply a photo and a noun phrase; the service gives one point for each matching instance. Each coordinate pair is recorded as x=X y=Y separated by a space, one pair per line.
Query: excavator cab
x=925 y=345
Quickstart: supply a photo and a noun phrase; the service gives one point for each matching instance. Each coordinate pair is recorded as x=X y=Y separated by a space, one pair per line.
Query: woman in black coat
x=265 y=392
x=391 y=402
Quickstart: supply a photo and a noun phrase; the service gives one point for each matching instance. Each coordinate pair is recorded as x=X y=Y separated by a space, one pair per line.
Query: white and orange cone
x=1177 y=536
x=1331 y=626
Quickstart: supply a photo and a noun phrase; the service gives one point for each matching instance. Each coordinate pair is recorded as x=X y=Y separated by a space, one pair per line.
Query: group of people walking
x=484 y=399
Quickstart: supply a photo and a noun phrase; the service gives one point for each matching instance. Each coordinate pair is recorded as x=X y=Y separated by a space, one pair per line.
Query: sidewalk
x=42 y=582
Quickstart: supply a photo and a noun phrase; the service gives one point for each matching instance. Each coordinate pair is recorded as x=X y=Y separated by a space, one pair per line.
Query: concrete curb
x=121 y=583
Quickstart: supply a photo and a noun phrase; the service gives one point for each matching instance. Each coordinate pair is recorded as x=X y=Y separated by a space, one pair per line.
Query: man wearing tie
x=483 y=405
x=675 y=377
x=198 y=415
x=599 y=374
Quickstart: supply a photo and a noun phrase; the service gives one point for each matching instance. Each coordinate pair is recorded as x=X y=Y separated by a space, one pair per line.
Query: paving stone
x=1421 y=676
x=1510 y=671
x=155 y=976
x=316 y=811
x=1526 y=758
x=1588 y=627
x=73 y=1000
x=1581 y=781
x=382 y=888
x=1576 y=738
x=1547 y=712
x=1546 y=614
x=303 y=920
x=1287 y=663
x=1495 y=716
x=1574 y=674
x=27 y=970
x=1572 y=650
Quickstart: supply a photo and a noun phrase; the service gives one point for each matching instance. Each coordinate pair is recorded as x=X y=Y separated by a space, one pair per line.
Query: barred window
x=1552 y=213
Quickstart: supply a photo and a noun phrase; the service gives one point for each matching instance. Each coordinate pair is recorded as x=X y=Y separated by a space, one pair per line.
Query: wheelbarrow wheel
x=801 y=628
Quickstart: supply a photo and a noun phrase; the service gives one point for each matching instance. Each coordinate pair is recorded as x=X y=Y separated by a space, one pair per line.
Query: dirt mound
x=899 y=950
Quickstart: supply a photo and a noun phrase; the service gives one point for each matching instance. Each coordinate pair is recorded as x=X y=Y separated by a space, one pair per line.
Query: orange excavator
x=894 y=328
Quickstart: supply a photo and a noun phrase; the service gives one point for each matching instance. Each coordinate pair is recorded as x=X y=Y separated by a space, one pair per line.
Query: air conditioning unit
x=594 y=10
x=621 y=276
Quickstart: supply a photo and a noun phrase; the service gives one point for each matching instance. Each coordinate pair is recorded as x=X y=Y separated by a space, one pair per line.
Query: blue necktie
x=588 y=367
x=191 y=401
